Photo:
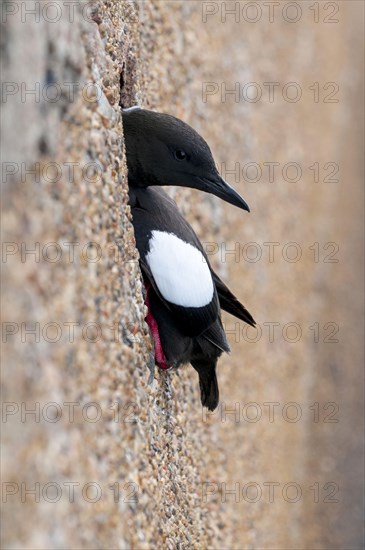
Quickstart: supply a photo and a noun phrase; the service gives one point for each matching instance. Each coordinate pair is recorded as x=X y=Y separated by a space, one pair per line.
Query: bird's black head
x=163 y=150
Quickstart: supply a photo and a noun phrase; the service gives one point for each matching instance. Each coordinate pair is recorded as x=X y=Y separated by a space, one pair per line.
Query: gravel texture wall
x=105 y=460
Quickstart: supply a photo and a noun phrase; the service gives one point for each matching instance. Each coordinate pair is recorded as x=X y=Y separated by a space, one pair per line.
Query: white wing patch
x=180 y=270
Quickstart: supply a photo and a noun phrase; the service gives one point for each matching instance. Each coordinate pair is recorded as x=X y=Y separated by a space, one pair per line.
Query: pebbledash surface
x=146 y=466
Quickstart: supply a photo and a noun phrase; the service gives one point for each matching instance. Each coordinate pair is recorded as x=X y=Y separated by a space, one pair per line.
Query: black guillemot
x=183 y=294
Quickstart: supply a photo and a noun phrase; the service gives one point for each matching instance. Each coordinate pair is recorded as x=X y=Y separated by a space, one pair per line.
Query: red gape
x=152 y=323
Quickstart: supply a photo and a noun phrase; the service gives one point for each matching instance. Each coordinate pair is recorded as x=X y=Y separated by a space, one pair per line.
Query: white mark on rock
x=129 y=109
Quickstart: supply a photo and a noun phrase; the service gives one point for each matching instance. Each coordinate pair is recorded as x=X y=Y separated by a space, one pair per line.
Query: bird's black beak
x=223 y=190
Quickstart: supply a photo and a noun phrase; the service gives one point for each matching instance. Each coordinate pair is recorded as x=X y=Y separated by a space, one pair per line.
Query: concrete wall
x=156 y=465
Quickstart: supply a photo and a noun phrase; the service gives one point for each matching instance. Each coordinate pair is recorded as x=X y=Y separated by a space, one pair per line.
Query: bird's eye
x=180 y=154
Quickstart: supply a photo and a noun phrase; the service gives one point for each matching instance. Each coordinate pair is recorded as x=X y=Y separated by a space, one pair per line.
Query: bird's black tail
x=209 y=391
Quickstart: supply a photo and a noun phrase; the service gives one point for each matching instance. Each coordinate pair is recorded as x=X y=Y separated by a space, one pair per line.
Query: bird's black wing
x=229 y=302
x=216 y=335
x=153 y=209
x=192 y=321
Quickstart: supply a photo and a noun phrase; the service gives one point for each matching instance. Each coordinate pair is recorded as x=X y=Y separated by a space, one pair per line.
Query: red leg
x=152 y=323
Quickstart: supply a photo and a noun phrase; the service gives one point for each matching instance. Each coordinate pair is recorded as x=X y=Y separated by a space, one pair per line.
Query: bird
x=183 y=294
